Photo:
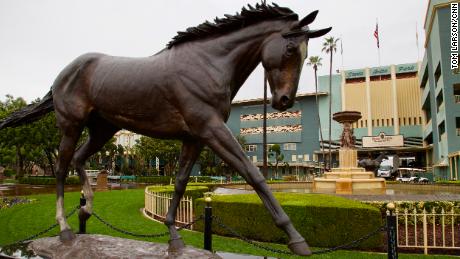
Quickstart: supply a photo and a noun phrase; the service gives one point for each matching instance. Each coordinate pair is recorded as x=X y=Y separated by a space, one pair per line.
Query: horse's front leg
x=217 y=136
x=190 y=151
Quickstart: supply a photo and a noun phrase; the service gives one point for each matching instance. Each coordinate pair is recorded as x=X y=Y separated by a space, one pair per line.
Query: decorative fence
x=428 y=230
x=157 y=204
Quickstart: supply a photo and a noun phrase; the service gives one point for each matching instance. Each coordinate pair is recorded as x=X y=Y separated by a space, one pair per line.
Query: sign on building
x=383 y=140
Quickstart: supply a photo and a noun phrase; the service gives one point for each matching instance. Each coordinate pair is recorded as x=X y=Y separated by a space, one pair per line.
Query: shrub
x=323 y=220
x=7 y=202
x=9 y=172
x=37 y=180
x=194 y=192
x=167 y=179
x=154 y=179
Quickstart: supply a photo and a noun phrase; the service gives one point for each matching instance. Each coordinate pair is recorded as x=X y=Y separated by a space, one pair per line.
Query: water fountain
x=348 y=178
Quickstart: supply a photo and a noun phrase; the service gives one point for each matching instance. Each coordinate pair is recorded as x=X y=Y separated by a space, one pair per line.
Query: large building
x=295 y=130
x=388 y=98
x=440 y=88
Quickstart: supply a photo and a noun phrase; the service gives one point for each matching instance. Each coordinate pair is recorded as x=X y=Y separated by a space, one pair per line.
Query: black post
x=264 y=130
x=392 y=236
x=82 y=220
x=208 y=225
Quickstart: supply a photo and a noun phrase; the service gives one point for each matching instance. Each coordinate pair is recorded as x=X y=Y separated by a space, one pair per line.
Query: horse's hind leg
x=188 y=156
x=220 y=139
x=100 y=132
x=66 y=151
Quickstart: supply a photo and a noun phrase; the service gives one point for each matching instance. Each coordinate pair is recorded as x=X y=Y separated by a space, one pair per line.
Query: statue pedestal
x=349 y=178
x=102 y=182
x=101 y=246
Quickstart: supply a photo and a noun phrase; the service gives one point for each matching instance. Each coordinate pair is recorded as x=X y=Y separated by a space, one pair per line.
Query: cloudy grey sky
x=39 y=37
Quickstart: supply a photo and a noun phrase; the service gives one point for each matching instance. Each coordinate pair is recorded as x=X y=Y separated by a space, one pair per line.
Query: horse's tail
x=30 y=113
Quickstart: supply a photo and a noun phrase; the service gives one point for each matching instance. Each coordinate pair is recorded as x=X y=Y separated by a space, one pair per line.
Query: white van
x=386 y=168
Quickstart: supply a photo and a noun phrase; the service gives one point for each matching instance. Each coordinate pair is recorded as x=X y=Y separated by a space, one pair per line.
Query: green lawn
x=122 y=208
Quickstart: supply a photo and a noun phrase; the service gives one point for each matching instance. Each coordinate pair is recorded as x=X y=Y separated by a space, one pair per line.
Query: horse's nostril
x=284 y=100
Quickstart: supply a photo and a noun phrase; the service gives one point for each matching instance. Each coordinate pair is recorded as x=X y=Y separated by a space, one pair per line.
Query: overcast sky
x=38 y=38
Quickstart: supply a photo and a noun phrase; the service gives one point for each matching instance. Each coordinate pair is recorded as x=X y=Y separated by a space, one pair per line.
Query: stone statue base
x=349 y=178
x=101 y=246
x=102 y=181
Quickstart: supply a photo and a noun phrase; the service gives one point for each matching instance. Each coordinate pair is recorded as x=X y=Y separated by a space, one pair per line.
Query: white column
x=394 y=99
x=368 y=96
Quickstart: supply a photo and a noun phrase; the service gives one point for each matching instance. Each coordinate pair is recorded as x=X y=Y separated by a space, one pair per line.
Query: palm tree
x=315 y=61
x=330 y=46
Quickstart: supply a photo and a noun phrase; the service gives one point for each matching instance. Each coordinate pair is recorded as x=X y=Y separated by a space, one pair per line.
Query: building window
x=457 y=93
x=250 y=148
x=290 y=146
x=439 y=101
x=437 y=74
x=294 y=158
x=442 y=130
x=424 y=78
x=457 y=122
x=254 y=159
x=306 y=157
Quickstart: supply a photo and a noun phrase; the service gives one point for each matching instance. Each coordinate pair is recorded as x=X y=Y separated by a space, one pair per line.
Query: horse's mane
x=247 y=17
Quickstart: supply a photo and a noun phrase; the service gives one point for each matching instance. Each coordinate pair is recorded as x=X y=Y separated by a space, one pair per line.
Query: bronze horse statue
x=182 y=92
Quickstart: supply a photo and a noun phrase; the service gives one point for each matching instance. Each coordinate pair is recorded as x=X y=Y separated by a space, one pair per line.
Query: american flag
x=376 y=34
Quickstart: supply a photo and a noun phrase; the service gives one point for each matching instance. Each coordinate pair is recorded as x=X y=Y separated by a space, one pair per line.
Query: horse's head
x=283 y=55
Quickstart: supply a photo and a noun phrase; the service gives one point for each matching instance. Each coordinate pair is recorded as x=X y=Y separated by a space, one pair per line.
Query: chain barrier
x=278 y=251
x=247 y=240
x=43 y=231
x=353 y=243
x=144 y=235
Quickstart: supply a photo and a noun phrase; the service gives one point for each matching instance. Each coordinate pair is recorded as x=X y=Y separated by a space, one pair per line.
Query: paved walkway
x=405 y=197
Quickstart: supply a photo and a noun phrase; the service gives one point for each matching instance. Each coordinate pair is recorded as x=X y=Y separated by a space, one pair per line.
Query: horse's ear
x=307 y=19
x=318 y=33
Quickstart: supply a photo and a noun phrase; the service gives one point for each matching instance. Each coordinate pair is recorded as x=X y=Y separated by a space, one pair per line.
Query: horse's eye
x=290 y=48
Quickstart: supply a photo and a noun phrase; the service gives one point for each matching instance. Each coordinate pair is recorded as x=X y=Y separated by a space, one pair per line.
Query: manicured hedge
x=38 y=180
x=323 y=220
x=167 y=179
x=192 y=191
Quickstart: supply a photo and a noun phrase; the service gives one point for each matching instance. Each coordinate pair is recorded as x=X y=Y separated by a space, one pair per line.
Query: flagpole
x=378 y=39
x=416 y=41
x=341 y=50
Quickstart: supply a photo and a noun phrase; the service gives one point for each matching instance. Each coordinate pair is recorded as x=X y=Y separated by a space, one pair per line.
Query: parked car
x=423 y=180
x=403 y=179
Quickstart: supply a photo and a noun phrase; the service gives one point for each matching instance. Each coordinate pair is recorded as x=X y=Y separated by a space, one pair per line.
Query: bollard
x=208 y=225
x=391 y=233
x=82 y=221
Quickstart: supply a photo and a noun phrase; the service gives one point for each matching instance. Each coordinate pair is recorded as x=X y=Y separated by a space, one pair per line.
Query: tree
x=330 y=46
x=166 y=150
x=275 y=151
x=20 y=140
x=315 y=61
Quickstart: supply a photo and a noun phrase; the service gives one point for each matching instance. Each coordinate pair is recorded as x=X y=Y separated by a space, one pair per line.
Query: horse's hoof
x=299 y=248
x=175 y=245
x=66 y=236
